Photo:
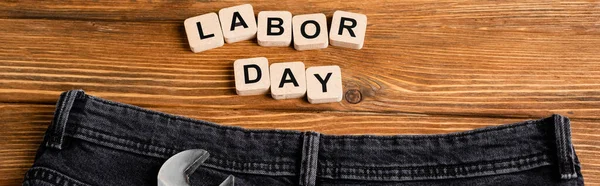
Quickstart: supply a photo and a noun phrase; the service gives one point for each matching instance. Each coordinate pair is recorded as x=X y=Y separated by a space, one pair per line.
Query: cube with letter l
x=203 y=32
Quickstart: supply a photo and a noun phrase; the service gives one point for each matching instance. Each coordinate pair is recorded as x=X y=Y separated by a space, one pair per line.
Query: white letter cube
x=348 y=29
x=274 y=28
x=290 y=87
x=321 y=87
x=310 y=31
x=247 y=72
x=244 y=27
x=211 y=36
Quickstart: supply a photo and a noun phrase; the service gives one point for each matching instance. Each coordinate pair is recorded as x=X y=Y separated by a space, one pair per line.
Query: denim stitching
x=308 y=166
x=97 y=137
x=561 y=142
x=35 y=181
x=165 y=150
x=85 y=132
x=565 y=160
x=303 y=162
x=51 y=176
x=104 y=141
x=313 y=158
x=425 y=172
x=467 y=134
x=64 y=115
x=392 y=166
x=370 y=174
x=56 y=122
x=459 y=167
x=98 y=134
x=193 y=121
x=279 y=169
x=524 y=158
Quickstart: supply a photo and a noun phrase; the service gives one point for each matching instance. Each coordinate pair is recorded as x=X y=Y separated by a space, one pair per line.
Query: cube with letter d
x=251 y=76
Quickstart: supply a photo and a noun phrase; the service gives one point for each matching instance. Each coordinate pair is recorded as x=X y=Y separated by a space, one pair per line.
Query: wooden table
x=426 y=67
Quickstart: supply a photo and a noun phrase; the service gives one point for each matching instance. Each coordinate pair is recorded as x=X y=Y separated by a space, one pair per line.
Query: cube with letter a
x=238 y=23
x=287 y=80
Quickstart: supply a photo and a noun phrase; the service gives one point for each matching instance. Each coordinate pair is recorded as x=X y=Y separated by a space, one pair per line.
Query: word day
x=275 y=28
x=321 y=84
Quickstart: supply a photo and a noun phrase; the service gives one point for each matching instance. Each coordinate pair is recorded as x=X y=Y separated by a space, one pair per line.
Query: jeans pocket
x=48 y=177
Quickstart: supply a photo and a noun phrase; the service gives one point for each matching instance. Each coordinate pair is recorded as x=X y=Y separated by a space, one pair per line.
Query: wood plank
x=543 y=16
x=412 y=69
x=26 y=123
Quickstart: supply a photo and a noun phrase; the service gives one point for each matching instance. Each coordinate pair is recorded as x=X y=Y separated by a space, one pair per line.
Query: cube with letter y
x=348 y=29
x=251 y=76
x=287 y=80
x=203 y=32
x=238 y=23
x=324 y=84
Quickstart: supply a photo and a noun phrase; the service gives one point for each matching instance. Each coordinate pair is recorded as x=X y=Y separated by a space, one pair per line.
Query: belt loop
x=61 y=115
x=565 y=152
x=310 y=155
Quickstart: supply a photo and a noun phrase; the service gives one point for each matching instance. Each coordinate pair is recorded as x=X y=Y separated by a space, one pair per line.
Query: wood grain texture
x=426 y=67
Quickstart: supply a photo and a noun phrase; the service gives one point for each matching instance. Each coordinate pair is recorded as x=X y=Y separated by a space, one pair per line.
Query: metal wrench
x=177 y=169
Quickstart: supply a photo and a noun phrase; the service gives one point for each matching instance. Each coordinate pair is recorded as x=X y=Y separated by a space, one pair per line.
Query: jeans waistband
x=487 y=151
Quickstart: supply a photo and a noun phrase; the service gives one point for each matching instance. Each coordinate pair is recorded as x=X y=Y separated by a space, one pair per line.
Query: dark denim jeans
x=93 y=141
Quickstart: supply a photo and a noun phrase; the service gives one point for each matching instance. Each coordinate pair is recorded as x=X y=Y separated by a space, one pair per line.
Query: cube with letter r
x=348 y=29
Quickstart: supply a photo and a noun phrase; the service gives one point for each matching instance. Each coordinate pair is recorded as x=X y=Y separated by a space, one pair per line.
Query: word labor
x=275 y=28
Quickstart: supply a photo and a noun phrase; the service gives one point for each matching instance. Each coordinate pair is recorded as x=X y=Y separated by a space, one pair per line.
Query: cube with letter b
x=251 y=76
x=203 y=32
x=310 y=31
x=238 y=23
x=348 y=29
x=288 y=80
x=324 y=84
x=274 y=28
